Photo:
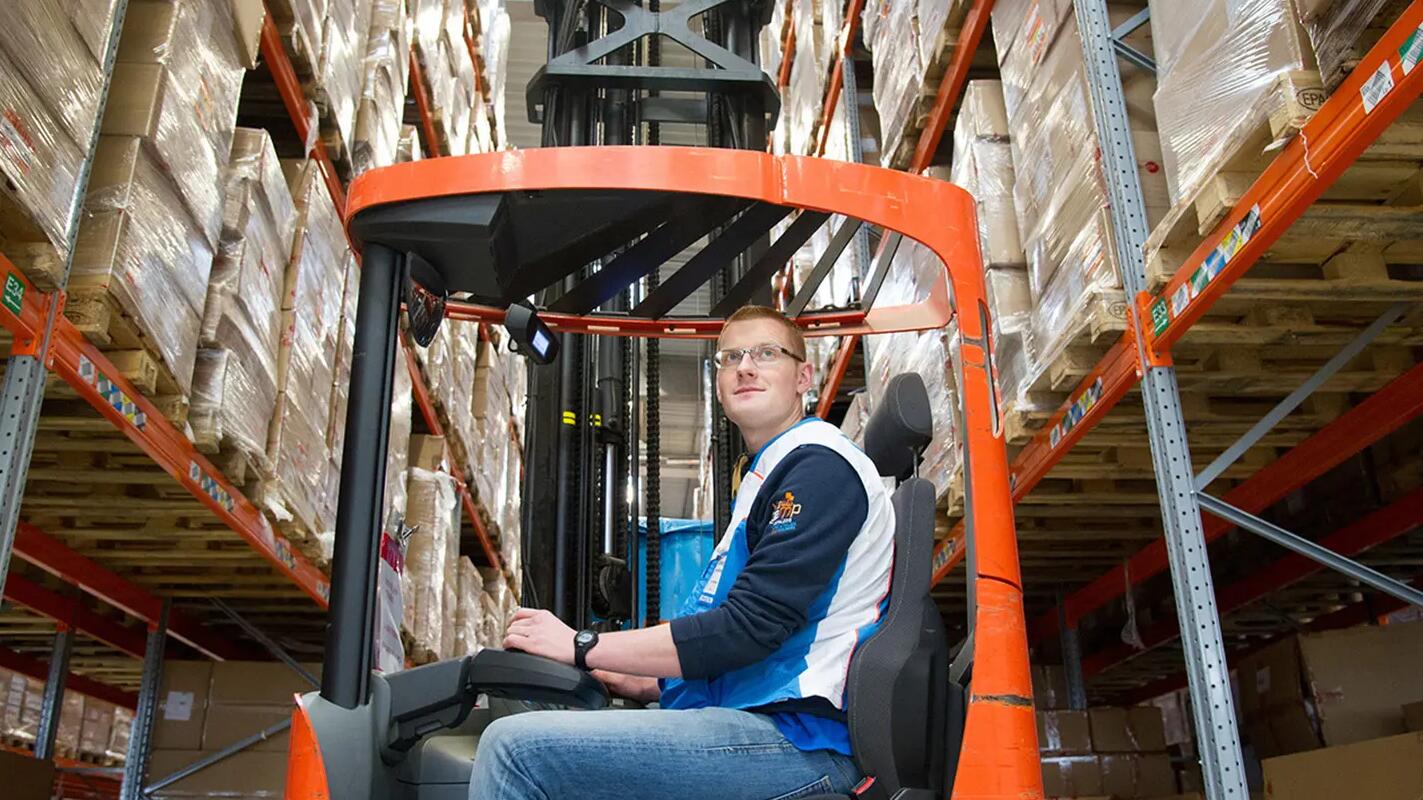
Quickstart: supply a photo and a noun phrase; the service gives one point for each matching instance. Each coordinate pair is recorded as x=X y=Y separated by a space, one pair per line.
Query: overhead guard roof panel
x=502 y=226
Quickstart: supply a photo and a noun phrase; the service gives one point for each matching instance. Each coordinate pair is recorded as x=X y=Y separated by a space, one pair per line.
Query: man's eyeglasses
x=762 y=354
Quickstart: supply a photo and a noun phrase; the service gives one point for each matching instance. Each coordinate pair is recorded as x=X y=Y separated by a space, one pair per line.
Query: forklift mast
x=606 y=83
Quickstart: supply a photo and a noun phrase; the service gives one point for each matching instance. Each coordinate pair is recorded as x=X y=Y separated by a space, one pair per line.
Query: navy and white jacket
x=799 y=579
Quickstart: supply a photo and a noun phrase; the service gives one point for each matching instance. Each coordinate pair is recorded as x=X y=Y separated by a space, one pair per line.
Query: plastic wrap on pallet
x=469 y=612
x=449 y=589
x=311 y=325
x=1023 y=30
x=341 y=368
x=118 y=741
x=177 y=82
x=430 y=506
x=1217 y=62
x=386 y=69
x=98 y=729
x=137 y=243
x=230 y=406
x=341 y=72
x=496 y=48
x=46 y=49
x=1342 y=31
x=856 y=417
x=94 y=21
x=397 y=456
x=899 y=74
x=983 y=166
x=300 y=22
x=464 y=348
x=457 y=115
x=40 y=165
x=71 y=721
x=20 y=720
x=927 y=354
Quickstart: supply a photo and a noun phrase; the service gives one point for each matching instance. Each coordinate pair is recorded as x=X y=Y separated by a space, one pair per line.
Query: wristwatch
x=583 y=641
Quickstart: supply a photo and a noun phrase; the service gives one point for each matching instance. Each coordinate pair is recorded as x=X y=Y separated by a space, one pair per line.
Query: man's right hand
x=632 y=687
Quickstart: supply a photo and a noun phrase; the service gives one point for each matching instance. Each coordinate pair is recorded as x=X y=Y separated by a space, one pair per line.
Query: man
x=753 y=670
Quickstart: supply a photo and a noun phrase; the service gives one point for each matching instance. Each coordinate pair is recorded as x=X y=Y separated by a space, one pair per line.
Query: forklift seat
x=905 y=715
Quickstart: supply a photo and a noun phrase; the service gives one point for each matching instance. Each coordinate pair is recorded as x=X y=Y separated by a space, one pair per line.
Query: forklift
x=564 y=245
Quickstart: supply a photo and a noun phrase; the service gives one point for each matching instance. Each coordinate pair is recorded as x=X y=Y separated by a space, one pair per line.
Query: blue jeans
x=698 y=754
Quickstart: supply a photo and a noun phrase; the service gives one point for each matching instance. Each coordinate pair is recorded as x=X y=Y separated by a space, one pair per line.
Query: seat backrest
x=899 y=694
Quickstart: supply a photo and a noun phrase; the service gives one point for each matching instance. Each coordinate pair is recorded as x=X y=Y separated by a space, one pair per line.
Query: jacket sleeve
x=798 y=536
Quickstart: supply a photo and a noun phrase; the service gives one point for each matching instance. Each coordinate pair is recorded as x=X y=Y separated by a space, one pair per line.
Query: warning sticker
x=1377 y=86
x=1411 y=51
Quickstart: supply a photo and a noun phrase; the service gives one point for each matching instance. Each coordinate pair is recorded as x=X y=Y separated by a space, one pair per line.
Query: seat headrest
x=900 y=427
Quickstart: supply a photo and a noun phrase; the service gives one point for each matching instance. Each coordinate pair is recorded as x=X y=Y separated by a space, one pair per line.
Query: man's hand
x=633 y=687
x=538 y=632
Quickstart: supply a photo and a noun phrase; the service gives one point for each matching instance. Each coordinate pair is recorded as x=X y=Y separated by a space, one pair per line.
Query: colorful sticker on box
x=1377 y=86
x=1075 y=412
x=1035 y=33
x=1411 y=51
x=14 y=293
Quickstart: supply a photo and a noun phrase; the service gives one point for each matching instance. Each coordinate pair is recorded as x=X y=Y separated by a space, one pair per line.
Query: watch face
x=585 y=637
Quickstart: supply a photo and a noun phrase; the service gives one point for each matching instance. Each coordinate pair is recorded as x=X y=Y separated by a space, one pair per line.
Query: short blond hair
x=793 y=331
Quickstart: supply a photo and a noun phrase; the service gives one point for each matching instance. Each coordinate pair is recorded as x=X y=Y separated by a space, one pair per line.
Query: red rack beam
x=294 y=98
x=39 y=670
x=848 y=29
x=1383 y=412
x=422 y=104
x=952 y=85
x=836 y=376
x=69 y=611
x=1381 y=526
x=53 y=556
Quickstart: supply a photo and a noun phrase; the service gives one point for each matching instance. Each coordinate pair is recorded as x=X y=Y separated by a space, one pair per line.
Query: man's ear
x=805 y=379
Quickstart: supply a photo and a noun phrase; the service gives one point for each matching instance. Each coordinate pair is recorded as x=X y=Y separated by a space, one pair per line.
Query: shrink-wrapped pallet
x=176 y=84
x=342 y=73
x=496 y=46
x=50 y=81
x=926 y=353
x=235 y=382
x=97 y=731
x=449 y=588
x=1219 y=70
x=899 y=72
x=311 y=324
x=139 y=249
x=301 y=25
x=431 y=506
x=20 y=718
x=1059 y=196
x=118 y=741
x=386 y=70
x=1341 y=32
x=469 y=612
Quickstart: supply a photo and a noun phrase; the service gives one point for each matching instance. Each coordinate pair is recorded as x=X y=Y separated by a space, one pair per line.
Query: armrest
x=520 y=676
x=439 y=696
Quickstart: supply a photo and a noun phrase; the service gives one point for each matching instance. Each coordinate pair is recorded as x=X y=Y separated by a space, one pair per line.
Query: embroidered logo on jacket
x=784 y=512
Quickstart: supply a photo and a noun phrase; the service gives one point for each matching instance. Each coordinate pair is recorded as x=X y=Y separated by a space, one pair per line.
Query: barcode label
x=1377 y=86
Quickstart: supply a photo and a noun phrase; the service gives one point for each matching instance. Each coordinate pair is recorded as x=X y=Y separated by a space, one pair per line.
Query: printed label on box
x=1377 y=86
x=178 y=707
x=15 y=146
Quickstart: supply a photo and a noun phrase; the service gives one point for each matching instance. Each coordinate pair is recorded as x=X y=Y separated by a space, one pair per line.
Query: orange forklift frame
x=999 y=754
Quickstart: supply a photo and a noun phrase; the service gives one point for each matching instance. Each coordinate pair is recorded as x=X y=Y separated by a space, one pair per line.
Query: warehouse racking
x=256 y=574
x=1165 y=302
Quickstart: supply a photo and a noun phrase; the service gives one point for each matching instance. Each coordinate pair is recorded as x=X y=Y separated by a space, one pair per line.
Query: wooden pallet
x=1361 y=242
x=102 y=319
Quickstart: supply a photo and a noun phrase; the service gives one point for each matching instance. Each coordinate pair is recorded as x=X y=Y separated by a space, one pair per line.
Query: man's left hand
x=538 y=632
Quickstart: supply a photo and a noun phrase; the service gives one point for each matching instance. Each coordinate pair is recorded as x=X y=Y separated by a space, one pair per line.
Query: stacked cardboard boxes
x=50 y=81
x=432 y=551
x=1115 y=752
x=89 y=729
x=297 y=495
x=908 y=44
x=469 y=610
x=205 y=707
x=1058 y=192
x=235 y=380
x=386 y=69
x=457 y=100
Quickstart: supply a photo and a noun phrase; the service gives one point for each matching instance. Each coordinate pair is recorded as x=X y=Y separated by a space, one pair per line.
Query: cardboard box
x=26 y=778
x=247 y=19
x=1049 y=687
x=1413 y=716
x=1127 y=776
x=1067 y=732
x=1390 y=768
x=1128 y=730
x=182 y=704
x=1329 y=689
x=1071 y=776
x=229 y=724
x=246 y=774
x=257 y=683
x=427 y=452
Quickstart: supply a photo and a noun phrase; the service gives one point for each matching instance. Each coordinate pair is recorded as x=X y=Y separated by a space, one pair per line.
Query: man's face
x=756 y=396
